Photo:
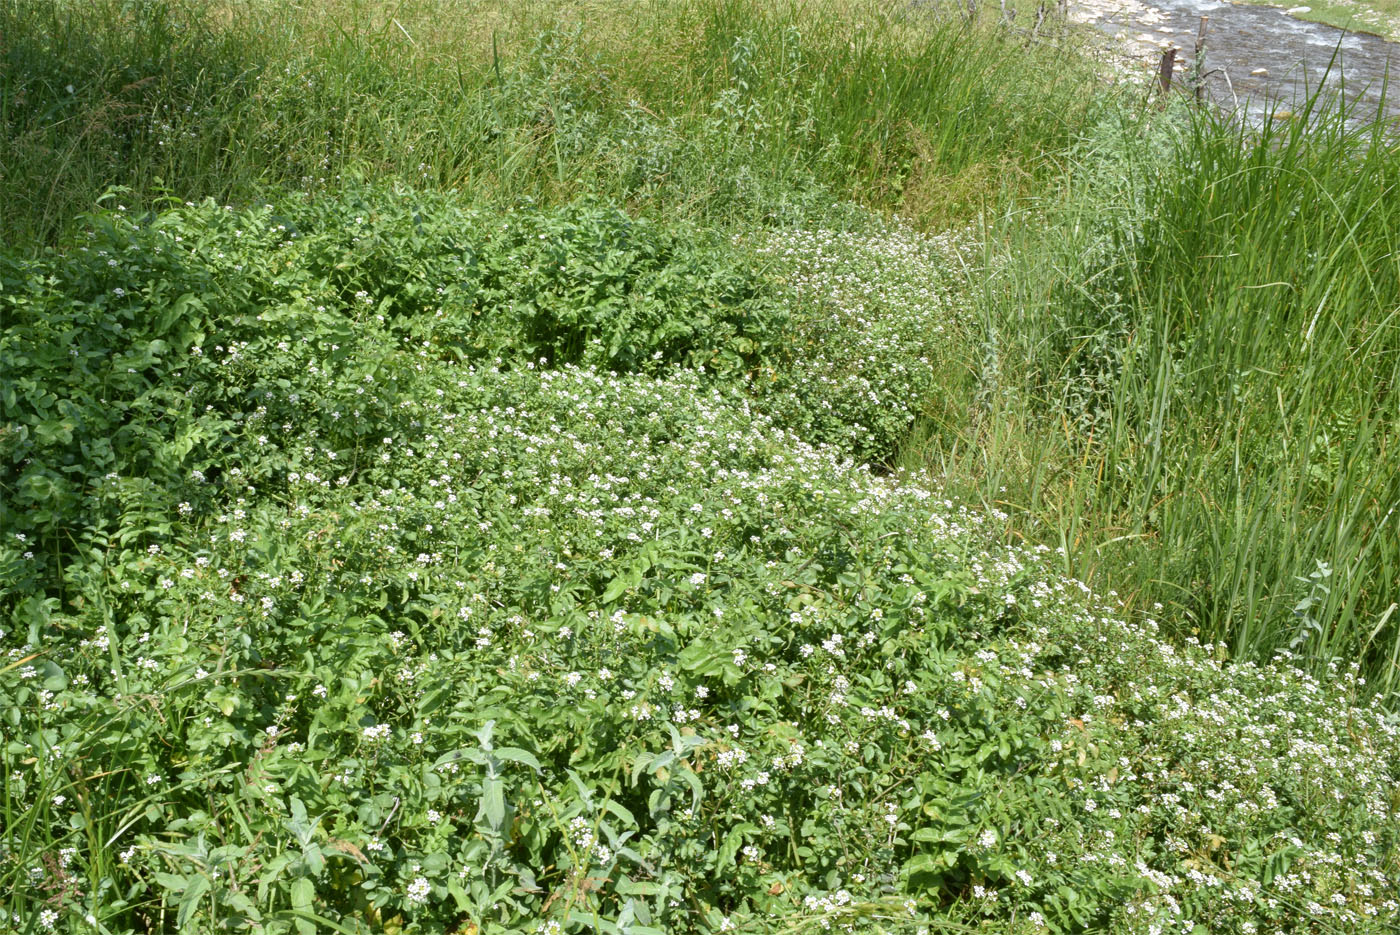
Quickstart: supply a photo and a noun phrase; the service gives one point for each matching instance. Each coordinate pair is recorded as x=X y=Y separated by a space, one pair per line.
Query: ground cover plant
x=405 y=631
x=549 y=491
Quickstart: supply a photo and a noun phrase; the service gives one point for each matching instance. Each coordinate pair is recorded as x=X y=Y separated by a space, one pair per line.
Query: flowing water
x=1257 y=59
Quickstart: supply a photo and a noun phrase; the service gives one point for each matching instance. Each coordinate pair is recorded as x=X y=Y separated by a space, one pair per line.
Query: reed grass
x=1197 y=358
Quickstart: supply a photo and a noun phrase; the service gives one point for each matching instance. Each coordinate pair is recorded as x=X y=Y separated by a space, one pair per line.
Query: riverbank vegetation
x=711 y=466
x=1379 y=17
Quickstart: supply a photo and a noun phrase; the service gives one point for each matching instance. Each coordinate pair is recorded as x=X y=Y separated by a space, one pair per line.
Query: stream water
x=1256 y=58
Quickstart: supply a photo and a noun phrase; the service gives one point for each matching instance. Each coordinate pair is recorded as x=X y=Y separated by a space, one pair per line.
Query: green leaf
x=493 y=804
x=729 y=848
x=697 y=791
x=303 y=897
x=626 y=886
x=189 y=901
x=620 y=584
x=467 y=753
x=172 y=883
x=314 y=858
x=516 y=755
x=627 y=817
x=299 y=825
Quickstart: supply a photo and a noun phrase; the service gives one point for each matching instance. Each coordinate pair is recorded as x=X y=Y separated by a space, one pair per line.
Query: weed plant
x=876 y=344
x=502 y=506
x=325 y=615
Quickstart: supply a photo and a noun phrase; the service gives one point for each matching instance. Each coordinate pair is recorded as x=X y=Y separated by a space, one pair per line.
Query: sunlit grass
x=728 y=110
x=1195 y=359
x=550 y=490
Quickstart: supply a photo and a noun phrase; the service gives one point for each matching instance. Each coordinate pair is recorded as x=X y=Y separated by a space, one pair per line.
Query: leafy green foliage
x=877 y=351
x=418 y=633
x=374 y=563
x=140 y=360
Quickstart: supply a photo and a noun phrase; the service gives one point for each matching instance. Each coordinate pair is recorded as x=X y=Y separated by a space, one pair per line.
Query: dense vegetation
x=508 y=467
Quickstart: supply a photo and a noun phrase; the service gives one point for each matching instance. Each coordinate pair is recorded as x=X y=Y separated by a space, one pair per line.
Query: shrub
x=878 y=348
x=412 y=638
x=140 y=360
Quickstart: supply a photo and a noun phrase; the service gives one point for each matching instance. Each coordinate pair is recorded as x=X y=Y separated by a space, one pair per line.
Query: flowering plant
x=328 y=607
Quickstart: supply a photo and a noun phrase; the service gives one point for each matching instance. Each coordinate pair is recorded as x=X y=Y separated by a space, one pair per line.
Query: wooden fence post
x=1198 y=61
x=1164 y=71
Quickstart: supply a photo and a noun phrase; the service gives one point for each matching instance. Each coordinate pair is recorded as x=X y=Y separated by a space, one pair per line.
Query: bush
x=877 y=352
x=141 y=360
x=404 y=636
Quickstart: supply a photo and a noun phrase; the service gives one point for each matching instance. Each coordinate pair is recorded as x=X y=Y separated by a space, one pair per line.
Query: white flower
x=419 y=890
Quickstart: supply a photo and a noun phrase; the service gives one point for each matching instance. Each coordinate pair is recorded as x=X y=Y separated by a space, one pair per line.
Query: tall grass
x=722 y=108
x=1195 y=362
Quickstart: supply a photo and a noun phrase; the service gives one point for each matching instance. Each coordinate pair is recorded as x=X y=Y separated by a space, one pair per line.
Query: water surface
x=1256 y=57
